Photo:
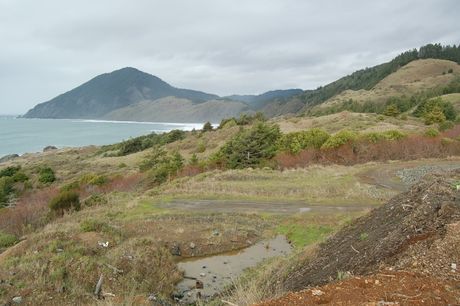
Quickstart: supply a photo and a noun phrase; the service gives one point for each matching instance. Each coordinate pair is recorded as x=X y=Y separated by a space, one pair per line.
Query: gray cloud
x=222 y=47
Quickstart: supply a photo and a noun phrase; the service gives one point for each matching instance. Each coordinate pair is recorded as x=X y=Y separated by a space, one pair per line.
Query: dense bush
x=94 y=179
x=339 y=139
x=362 y=150
x=161 y=166
x=142 y=143
x=6 y=188
x=7 y=240
x=297 y=141
x=435 y=110
x=93 y=225
x=95 y=200
x=387 y=135
x=207 y=127
x=244 y=119
x=64 y=201
x=431 y=132
x=46 y=175
x=250 y=147
x=446 y=125
x=8 y=177
x=9 y=171
x=391 y=110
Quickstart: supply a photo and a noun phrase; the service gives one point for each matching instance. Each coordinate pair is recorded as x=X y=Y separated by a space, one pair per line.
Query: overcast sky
x=48 y=47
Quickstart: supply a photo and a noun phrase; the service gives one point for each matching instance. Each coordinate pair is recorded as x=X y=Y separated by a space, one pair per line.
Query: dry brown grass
x=353 y=121
x=313 y=185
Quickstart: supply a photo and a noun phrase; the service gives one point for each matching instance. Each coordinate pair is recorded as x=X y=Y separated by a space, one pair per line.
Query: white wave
x=193 y=125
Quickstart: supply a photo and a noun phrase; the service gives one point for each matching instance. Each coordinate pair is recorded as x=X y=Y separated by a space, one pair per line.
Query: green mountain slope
x=111 y=91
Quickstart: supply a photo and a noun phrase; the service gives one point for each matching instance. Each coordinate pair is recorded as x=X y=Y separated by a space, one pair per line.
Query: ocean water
x=19 y=136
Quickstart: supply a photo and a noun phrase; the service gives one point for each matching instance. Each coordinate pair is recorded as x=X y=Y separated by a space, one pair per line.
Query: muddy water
x=216 y=272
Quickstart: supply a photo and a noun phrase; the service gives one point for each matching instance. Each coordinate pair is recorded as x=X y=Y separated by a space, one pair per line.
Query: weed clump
x=339 y=139
x=46 y=175
x=7 y=240
x=64 y=201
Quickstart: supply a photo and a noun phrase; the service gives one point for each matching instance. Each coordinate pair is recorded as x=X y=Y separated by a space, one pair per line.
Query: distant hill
x=259 y=101
x=172 y=109
x=130 y=94
x=110 y=91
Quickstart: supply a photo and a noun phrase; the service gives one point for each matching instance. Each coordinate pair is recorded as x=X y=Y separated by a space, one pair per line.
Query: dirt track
x=400 y=176
x=228 y=206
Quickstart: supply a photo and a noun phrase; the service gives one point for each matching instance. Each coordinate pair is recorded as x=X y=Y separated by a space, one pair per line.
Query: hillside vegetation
x=124 y=215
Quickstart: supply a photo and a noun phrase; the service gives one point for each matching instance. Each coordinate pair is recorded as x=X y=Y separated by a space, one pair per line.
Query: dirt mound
x=387 y=235
x=389 y=288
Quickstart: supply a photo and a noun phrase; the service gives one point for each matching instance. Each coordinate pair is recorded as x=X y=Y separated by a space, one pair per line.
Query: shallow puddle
x=216 y=272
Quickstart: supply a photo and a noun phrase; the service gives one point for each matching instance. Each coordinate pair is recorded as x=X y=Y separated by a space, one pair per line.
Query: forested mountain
x=111 y=91
x=256 y=102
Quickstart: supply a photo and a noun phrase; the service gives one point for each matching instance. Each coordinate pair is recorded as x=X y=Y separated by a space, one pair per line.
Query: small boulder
x=175 y=250
x=192 y=245
x=49 y=148
x=199 y=284
x=17 y=299
x=9 y=157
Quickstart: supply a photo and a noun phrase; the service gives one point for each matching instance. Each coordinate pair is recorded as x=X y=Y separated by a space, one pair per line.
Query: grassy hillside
x=368 y=78
x=416 y=76
x=139 y=204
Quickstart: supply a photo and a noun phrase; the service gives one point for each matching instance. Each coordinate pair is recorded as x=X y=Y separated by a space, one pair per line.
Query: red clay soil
x=386 y=288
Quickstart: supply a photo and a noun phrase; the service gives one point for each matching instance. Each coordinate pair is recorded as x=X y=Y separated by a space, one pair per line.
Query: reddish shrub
x=29 y=212
x=362 y=151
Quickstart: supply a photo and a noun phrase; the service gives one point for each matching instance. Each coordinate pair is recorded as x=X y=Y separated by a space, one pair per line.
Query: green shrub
x=122 y=165
x=161 y=166
x=430 y=109
x=93 y=225
x=9 y=171
x=71 y=186
x=93 y=179
x=447 y=141
x=431 y=132
x=227 y=123
x=95 y=200
x=7 y=240
x=434 y=116
x=394 y=135
x=373 y=137
x=339 y=139
x=450 y=70
x=391 y=110
x=6 y=188
x=446 y=125
x=20 y=177
x=201 y=147
x=142 y=143
x=297 y=141
x=193 y=160
x=250 y=147
x=46 y=175
x=207 y=127
x=65 y=201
